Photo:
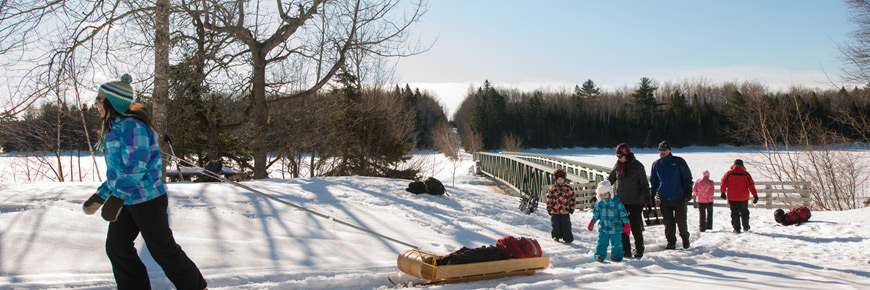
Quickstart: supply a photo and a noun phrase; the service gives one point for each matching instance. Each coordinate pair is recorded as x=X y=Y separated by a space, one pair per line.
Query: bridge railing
x=534 y=173
x=519 y=173
x=587 y=171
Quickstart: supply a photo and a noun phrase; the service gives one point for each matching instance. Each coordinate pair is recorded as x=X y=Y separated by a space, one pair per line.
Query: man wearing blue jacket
x=671 y=179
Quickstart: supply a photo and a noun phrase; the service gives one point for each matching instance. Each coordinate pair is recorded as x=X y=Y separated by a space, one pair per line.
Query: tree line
x=685 y=113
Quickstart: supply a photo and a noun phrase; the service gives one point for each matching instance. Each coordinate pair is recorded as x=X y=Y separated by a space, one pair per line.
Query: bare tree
x=796 y=148
x=350 y=26
x=854 y=54
x=511 y=142
x=472 y=141
x=447 y=142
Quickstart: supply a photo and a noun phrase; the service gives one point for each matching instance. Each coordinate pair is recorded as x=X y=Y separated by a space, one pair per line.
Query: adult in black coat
x=632 y=188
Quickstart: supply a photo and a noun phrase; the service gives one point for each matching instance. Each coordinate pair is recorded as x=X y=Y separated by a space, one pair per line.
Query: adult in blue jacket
x=671 y=179
x=133 y=197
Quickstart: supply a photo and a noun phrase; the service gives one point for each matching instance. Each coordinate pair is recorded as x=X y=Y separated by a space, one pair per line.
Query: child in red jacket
x=736 y=186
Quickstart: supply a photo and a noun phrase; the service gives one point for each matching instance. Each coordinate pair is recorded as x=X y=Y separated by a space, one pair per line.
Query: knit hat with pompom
x=119 y=93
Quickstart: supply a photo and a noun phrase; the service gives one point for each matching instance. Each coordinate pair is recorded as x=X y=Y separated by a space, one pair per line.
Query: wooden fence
x=771 y=194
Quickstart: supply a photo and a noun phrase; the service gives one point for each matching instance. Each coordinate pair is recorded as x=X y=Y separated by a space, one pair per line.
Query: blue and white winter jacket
x=133 y=163
x=671 y=178
x=612 y=215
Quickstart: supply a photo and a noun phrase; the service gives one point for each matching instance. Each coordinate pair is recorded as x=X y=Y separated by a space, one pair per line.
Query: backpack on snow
x=430 y=185
x=528 y=203
x=212 y=168
x=795 y=216
x=519 y=247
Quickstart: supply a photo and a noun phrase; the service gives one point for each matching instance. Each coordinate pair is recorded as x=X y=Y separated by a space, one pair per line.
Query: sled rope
x=221 y=178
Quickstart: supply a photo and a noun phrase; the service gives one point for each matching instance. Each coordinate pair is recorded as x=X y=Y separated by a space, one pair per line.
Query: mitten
x=591 y=226
x=112 y=208
x=754 y=199
x=723 y=196
x=93 y=204
x=626 y=229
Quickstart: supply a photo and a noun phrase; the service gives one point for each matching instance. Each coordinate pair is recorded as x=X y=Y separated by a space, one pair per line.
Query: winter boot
x=615 y=259
x=599 y=259
x=670 y=247
x=685 y=243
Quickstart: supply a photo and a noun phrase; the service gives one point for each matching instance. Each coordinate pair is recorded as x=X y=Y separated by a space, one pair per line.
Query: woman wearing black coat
x=632 y=187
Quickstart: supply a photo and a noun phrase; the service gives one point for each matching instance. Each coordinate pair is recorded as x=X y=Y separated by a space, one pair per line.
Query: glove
x=626 y=229
x=591 y=226
x=112 y=208
x=754 y=199
x=723 y=196
x=93 y=204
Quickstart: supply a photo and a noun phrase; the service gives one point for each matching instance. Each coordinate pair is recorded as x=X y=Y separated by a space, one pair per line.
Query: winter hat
x=622 y=149
x=559 y=173
x=119 y=93
x=604 y=187
x=665 y=145
x=707 y=173
x=738 y=162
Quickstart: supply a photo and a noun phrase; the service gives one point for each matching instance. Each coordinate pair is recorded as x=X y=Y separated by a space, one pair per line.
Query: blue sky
x=558 y=44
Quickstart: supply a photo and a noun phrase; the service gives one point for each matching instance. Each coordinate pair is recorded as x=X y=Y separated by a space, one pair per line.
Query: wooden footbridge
x=533 y=173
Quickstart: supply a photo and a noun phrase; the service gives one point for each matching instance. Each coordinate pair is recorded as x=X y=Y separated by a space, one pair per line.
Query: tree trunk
x=261 y=114
x=161 y=74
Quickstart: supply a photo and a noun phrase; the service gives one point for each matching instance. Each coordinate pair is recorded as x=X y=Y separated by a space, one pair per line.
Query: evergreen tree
x=644 y=110
x=589 y=90
x=367 y=140
x=488 y=115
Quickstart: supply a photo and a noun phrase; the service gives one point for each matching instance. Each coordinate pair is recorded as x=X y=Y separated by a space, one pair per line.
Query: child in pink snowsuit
x=703 y=191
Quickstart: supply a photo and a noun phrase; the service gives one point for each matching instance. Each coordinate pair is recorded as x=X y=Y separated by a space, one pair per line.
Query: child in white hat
x=614 y=222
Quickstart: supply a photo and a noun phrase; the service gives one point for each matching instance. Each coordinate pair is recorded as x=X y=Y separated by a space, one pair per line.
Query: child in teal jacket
x=614 y=222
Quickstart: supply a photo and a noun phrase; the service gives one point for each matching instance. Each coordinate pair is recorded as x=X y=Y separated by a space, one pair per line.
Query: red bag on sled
x=519 y=247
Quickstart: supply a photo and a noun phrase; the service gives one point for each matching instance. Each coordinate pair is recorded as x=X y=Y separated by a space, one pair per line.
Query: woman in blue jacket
x=133 y=196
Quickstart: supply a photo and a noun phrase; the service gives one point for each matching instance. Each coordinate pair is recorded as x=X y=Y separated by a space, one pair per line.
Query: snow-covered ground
x=241 y=240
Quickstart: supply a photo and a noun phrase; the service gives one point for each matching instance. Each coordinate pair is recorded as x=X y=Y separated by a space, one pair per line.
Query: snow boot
x=112 y=208
x=670 y=247
x=686 y=244
x=615 y=259
x=93 y=204
x=599 y=259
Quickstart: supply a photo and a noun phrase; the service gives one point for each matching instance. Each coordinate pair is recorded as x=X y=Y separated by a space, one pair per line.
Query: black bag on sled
x=466 y=256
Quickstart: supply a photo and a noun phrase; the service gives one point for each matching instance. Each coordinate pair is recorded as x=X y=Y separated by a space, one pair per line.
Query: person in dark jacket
x=560 y=206
x=671 y=179
x=632 y=189
x=736 y=186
